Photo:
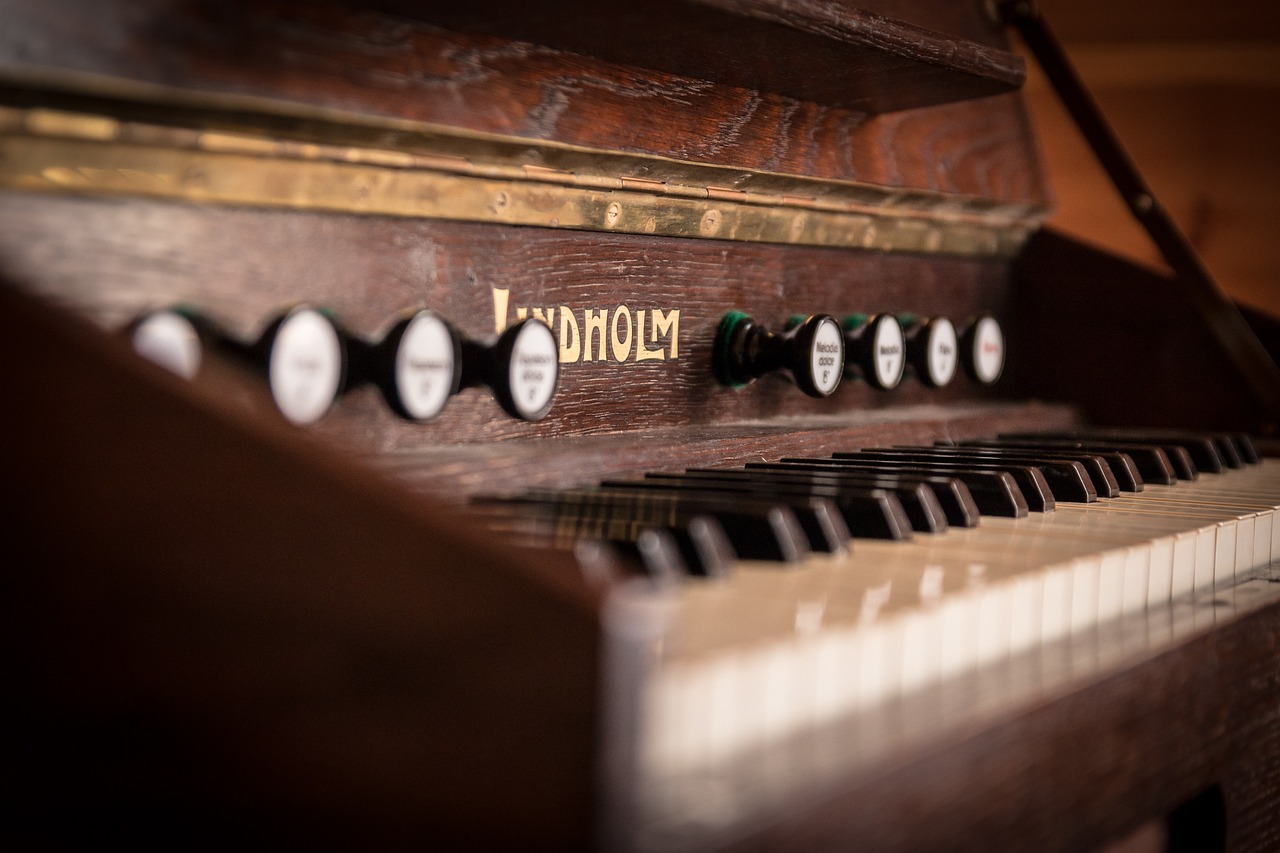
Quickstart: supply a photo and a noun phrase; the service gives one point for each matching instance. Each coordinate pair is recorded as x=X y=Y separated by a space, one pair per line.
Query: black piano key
x=930 y=505
x=1153 y=463
x=854 y=498
x=1178 y=458
x=704 y=546
x=1209 y=451
x=873 y=513
x=947 y=492
x=951 y=494
x=1096 y=470
x=995 y=492
x=766 y=531
x=655 y=551
x=818 y=524
x=1248 y=451
x=1228 y=450
x=1125 y=471
x=1099 y=468
x=1067 y=480
x=1030 y=478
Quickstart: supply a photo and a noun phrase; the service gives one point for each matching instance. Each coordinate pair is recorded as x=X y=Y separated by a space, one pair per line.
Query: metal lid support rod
x=1222 y=316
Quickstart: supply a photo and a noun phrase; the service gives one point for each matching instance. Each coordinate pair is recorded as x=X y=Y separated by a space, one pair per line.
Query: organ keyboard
x=795 y=535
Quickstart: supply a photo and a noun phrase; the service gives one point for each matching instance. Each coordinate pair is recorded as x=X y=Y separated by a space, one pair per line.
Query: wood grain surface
x=114 y=259
x=357 y=59
x=823 y=52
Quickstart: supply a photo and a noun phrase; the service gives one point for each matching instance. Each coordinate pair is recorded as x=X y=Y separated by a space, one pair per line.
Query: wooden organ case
x=225 y=628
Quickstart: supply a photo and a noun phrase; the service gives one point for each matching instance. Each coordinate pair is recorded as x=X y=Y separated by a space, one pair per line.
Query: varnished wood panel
x=1120 y=341
x=455 y=473
x=825 y=52
x=332 y=56
x=242 y=267
x=215 y=630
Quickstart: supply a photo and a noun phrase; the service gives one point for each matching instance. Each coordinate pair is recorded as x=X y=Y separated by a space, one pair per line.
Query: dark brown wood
x=454 y=472
x=208 y=619
x=215 y=619
x=364 y=61
x=116 y=258
x=821 y=52
x=1159 y=22
x=1082 y=314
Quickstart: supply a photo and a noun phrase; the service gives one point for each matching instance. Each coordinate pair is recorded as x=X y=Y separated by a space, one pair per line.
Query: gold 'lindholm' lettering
x=643 y=353
x=570 y=341
x=600 y=334
x=594 y=321
x=621 y=346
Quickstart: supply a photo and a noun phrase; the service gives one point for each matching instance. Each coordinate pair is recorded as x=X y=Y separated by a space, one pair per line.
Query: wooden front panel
x=116 y=258
x=365 y=61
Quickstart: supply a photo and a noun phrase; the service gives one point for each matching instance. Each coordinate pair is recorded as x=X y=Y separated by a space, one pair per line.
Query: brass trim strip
x=350 y=164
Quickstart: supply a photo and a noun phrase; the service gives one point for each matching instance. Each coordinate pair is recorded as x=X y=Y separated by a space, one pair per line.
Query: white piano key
x=1084 y=593
x=1206 y=554
x=778 y=682
x=836 y=675
x=723 y=735
x=995 y=604
x=1056 y=620
x=1137 y=565
x=959 y=618
x=1184 y=563
x=1224 y=557
x=1244 y=544
x=1275 y=536
x=1027 y=594
x=921 y=650
x=873 y=656
x=1262 y=533
x=1111 y=585
x=1160 y=570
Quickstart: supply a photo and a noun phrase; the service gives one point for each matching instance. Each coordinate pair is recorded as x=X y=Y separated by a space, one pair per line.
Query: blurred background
x=1193 y=89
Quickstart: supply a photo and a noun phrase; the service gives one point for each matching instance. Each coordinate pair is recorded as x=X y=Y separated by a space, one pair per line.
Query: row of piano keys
x=701 y=520
x=797 y=627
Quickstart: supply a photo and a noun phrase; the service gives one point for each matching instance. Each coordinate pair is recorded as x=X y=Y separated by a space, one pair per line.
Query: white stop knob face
x=305 y=370
x=533 y=371
x=890 y=353
x=988 y=350
x=827 y=356
x=168 y=339
x=943 y=351
x=424 y=368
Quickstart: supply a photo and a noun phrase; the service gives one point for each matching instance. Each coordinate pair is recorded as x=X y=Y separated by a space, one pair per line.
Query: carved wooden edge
x=210 y=616
x=354 y=58
x=72 y=134
x=823 y=52
x=455 y=473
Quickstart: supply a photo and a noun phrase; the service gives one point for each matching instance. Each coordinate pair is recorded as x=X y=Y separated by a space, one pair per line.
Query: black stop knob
x=810 y=352
x=522 y=367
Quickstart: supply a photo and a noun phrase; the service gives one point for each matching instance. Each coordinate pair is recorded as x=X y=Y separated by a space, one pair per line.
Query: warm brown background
x=1193 y=88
